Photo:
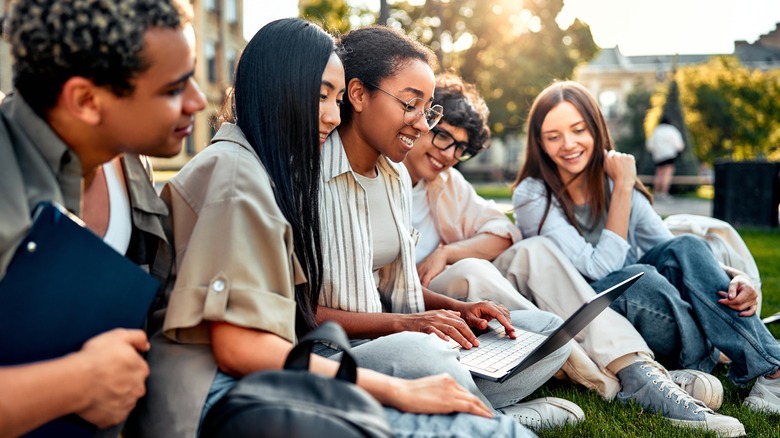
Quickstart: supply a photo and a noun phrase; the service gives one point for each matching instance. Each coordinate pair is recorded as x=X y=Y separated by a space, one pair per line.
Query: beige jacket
x=234 y=263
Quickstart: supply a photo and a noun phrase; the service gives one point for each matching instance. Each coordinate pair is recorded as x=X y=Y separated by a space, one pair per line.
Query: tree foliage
x=333 y=15
x=730 y=111
x=637 y=106
x=511 y=49
x=667 y=103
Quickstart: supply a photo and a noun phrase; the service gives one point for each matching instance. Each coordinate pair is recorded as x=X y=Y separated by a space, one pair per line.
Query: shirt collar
x=43 y=138
x=63 y=162
x=232 y=133
x=335 y=161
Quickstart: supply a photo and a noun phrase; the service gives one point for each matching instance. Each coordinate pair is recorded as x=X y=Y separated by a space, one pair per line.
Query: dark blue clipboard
x=63 y=286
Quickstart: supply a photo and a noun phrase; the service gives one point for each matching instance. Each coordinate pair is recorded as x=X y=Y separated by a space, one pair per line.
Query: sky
x=637 y=27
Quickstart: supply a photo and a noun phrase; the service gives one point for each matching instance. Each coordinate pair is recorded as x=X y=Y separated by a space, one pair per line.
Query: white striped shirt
x=348 y=281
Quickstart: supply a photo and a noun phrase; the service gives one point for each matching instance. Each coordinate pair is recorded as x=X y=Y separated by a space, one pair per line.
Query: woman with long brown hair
x=575 y=189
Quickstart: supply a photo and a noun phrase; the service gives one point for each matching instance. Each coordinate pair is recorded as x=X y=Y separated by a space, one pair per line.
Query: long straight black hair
x=276 y=105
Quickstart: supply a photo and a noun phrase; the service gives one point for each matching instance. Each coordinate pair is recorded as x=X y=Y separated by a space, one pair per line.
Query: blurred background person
x=665 y=145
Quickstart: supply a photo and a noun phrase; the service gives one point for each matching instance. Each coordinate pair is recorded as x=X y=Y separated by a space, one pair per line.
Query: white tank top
x=120 y=224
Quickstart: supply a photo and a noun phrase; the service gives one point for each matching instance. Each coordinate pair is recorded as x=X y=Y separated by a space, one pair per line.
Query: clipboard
x=63 y=286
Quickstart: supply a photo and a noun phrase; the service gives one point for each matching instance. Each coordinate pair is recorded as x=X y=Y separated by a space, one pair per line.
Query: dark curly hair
x=374 y=53
x=54 y=40
x=463 y=108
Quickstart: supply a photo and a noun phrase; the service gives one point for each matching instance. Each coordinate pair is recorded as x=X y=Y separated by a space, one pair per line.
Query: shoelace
x=665 y=382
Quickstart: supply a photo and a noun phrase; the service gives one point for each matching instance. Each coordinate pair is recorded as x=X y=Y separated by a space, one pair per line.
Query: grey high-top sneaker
x=650 y=385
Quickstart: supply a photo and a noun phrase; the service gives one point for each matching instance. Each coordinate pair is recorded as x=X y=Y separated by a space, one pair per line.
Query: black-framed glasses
x=443 y=140
x=411 y=114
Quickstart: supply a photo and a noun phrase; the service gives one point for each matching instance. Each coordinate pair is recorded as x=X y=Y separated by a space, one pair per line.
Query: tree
x=672 y=108
x=730 y=111
x=333 y=15
x=637 y=106
x=510 y=49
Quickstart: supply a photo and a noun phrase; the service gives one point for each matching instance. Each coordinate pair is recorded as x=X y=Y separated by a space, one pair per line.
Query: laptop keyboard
x=496 y=350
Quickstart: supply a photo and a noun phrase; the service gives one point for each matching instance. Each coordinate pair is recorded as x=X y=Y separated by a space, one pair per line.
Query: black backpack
x=293 y=402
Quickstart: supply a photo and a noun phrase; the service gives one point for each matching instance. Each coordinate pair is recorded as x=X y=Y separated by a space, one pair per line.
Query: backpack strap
x=332 y=334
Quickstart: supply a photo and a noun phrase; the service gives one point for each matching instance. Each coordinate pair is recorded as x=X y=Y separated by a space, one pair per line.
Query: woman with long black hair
x=247 y=244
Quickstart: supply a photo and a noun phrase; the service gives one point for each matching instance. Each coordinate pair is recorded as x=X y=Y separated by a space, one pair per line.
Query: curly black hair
x=463 y=108
x=374 y=53
x=54 y=40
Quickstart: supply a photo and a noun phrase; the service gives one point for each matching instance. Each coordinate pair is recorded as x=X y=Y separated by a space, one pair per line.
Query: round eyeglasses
x=412 y=113
x=443 y=140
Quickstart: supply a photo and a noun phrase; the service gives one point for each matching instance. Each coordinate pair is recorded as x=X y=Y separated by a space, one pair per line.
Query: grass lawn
x=613 y=419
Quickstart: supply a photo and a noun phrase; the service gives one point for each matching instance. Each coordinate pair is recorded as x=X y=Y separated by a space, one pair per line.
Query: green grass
x=613 y=419
x=494 y=190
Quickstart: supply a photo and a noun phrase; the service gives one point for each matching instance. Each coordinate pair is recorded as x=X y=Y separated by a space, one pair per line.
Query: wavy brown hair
x=540 y=166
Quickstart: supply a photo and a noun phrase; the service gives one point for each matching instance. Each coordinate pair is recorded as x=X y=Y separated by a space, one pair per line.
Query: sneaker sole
x=735 y=430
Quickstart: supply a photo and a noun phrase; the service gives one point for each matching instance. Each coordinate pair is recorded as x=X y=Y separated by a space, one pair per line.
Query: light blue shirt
x=611 y=253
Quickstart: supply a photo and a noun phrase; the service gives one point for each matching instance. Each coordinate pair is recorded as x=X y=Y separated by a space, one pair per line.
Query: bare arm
x=101 y=383
x=482 y=246
x=240 y=351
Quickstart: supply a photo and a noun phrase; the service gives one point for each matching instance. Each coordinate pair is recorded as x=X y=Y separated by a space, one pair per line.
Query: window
x=608 y=101
x=231 y=11
x=211 y=5
x=189 y=145
x=211 y=60
x=231 y=60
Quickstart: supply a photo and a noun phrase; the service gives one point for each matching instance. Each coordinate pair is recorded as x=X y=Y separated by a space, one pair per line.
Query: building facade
x=611 y=76
x=219 y=33
x=5 y=54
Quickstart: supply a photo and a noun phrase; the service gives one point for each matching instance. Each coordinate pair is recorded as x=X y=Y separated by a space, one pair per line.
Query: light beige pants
x=533 y=273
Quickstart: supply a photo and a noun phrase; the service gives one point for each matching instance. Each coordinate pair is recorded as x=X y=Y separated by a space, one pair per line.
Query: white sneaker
x=765 y=395
x=545 y=412
x=701 y=386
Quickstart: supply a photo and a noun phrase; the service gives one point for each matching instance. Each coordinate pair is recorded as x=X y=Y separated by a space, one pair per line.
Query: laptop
x=499 y=357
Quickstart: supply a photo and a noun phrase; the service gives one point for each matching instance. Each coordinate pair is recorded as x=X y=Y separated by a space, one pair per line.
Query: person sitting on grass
x=370 y=284
x=575 y=189
x=249 y=263
x=461 y=233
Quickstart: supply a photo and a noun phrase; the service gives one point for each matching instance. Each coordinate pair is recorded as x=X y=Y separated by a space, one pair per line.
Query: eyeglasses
x=443 y=140
x=412 y=114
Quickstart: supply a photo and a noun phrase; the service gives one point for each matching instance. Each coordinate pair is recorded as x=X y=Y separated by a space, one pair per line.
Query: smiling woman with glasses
x=411 y=111
x=370 y=283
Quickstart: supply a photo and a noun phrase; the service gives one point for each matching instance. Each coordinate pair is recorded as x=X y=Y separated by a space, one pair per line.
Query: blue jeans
x=411 y=355
x=675 y=308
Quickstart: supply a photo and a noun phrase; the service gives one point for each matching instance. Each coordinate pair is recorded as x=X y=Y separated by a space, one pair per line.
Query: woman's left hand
x=741 y=296
x=620 y=167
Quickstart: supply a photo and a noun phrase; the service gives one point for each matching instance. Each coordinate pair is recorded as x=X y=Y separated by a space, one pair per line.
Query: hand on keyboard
x=478 y=314
x=446 y=324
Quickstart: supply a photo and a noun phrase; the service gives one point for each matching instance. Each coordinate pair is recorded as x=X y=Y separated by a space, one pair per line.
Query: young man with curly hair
x=96 y=85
